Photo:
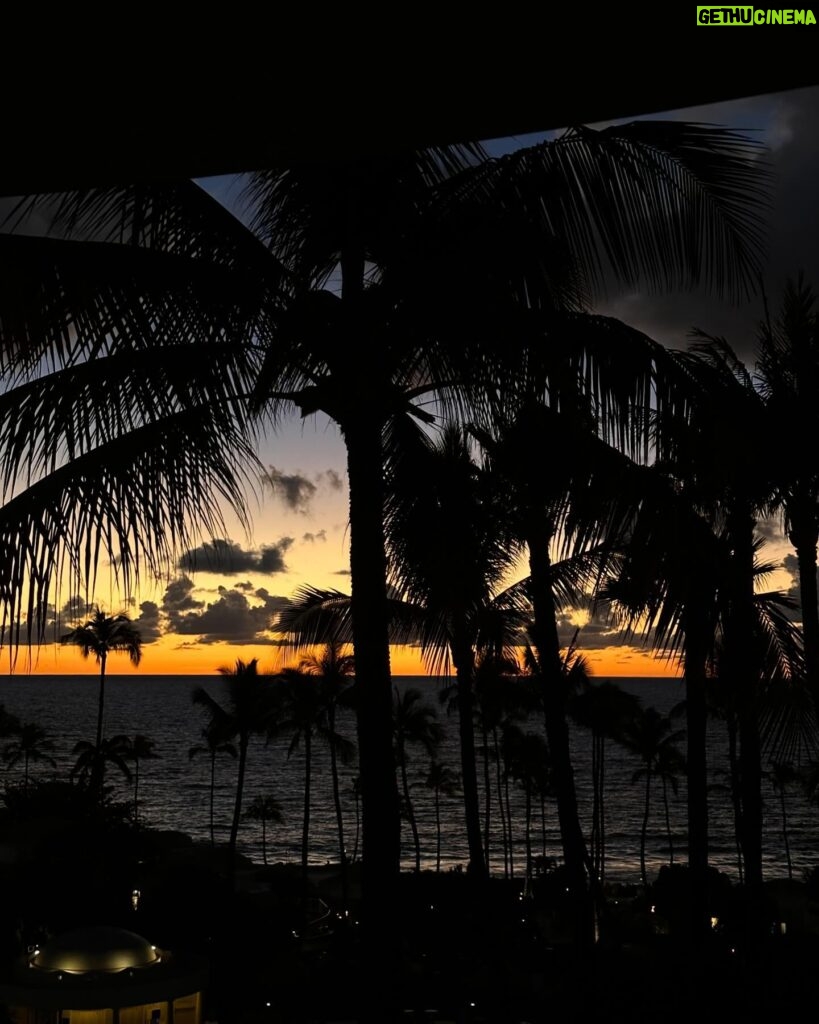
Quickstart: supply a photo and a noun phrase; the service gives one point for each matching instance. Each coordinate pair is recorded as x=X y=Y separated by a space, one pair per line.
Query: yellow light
x=714 y=922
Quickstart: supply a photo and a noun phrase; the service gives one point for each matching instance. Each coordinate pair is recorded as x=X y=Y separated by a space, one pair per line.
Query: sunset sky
x=219 y=604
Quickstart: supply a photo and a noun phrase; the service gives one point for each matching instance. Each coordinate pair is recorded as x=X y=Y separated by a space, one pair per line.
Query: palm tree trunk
x=237 y=806
x=136 y=790
x=804 y=540
x=305 y=832
x=528 y=836
x=410 y=811
x=98 y=773
x=25 y=774
x=212 y=791
x=644 y=829
x=601 y=869
x=264 y=841
x=369 y=614
x=487 y=790
x=736 y=800
x=505 y=836
x=509 y=820
x=437 y=829
x=696 y=643
x=668 y=821
x=357 y=828
x=785 y=830
x=342 y=855
x=547 y=647
x=463 y=659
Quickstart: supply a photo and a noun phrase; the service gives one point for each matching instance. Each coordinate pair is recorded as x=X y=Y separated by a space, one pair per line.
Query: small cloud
x=229 y=558
x=310 y=538
x=341 y=572
x=294 y=489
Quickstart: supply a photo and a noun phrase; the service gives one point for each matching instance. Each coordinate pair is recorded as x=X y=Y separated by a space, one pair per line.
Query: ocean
x=174 y=789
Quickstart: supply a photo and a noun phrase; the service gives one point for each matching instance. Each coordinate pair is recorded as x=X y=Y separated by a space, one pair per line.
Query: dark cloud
x=247 y=585
x=341 y=572
x=228 y=558
x=311 y=537
x=148 y=622
x=294 y=489
x=178 y=598
x=230 y=618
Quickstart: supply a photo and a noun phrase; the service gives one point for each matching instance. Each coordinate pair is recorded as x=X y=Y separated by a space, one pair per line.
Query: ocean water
x=174 y=790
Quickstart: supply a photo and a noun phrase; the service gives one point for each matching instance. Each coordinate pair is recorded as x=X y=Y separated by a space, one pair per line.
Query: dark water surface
x=174 y=791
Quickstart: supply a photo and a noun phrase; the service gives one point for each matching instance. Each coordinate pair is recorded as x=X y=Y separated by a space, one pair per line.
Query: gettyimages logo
x=754 y=16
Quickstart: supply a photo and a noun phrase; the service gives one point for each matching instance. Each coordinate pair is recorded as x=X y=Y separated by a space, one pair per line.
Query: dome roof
x=95 y=949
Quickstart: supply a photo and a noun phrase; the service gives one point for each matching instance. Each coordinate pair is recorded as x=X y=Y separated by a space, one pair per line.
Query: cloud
x=310 y=538
x=231 y=618
x=341 y=572
x=294 y=489
x=178 y=598
x=228 y=558
x=75 y=608
x=148 y=622
x=334 y=480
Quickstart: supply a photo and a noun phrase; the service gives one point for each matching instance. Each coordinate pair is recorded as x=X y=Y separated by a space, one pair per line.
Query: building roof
x=95 y=949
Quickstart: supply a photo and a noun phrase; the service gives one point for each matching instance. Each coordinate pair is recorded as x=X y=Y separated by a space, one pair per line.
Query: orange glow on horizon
x=171 y=656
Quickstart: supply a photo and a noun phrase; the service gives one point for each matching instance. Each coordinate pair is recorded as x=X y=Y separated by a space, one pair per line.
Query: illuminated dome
x=95 y=949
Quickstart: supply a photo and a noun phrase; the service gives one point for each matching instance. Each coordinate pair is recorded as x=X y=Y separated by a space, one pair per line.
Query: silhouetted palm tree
x=334 y=672
x=304 y=715
x=414 y=724
x=239 y=718
x=214 y=745
x=139 y=748
x=441 y=779
x=102 y=635
x=649 y=735
x=32 y=744
x=91 y=759
x=604 y=709
x=264 y=809
x=787 y=376
x=450 y=553
x=782 y=775
x=450 y=262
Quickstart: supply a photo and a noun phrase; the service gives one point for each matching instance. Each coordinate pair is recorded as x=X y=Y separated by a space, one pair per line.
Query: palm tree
x=413 y=724
x=264 y=809
x=528 y=759
x=781 y=775
x=441 y=779
x=89 y=766
x=787 y=376
x=355 y=792
x=450 y=551
x=102 y=635
x=649 y=735
x=139 y=748
x=604 y=709
x=213 y=746
x=32 y=745
x=439 y=254
x=241 y=716
x=304 y=713
x=334 y=671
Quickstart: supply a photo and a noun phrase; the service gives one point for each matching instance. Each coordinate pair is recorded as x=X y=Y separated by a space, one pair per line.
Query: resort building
x=104 y=976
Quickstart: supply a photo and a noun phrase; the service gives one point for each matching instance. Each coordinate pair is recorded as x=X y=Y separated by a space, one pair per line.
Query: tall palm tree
x=334 y=671
x=442 y=780
x=450 y=553
x=140 y=748
x=438 y=254
x=102 y=635
x=214 y=744
x=604 y=709
x=787 y=376
x=304 y=714
x=239 y=718
x=414 y=724
x=649 y=735
x=32 y=744
x=264 y=809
